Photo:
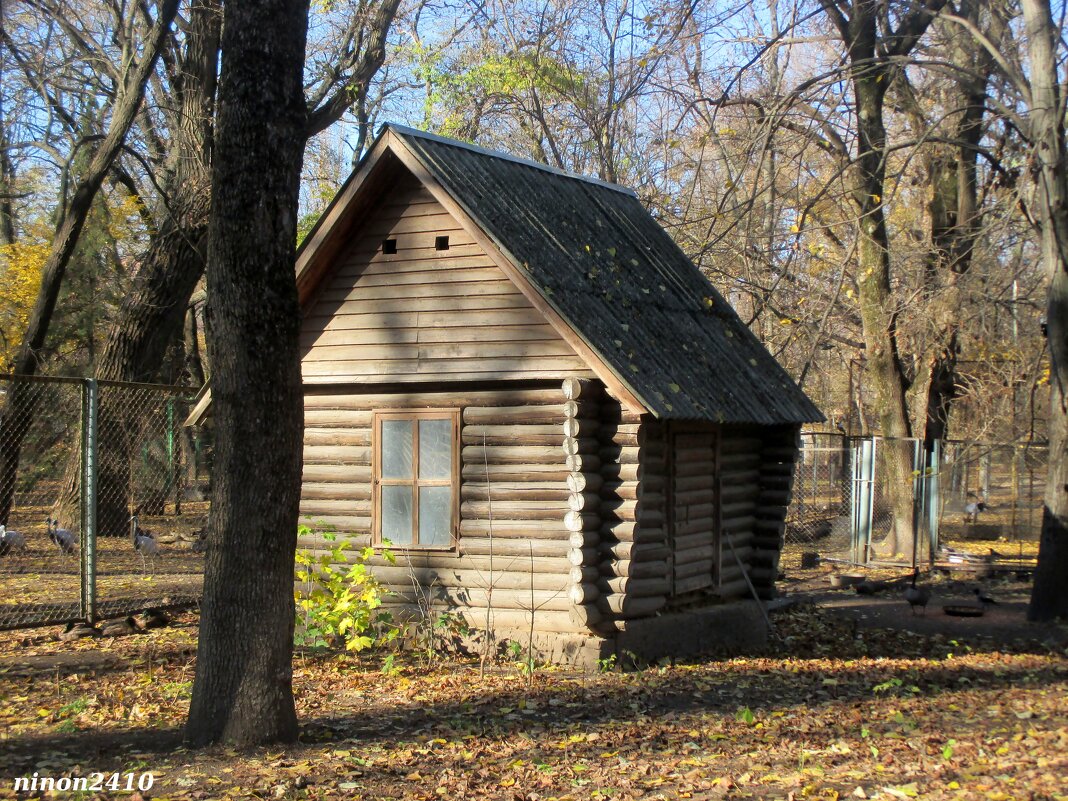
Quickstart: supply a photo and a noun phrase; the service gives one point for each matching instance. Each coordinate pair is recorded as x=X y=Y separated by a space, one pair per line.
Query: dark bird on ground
x=152 y=618
x=870 y=587
x=76 y=631
x=144 y=542
x=63 y=538
x=10 y=541
x=119 y=628
x=983 y=597
x=917 y=596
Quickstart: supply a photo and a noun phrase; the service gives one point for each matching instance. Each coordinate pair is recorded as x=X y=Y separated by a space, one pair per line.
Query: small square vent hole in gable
x=389 y=246
x=441 y=243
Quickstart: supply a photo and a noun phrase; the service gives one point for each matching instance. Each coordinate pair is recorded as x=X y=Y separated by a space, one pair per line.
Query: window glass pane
x=435 y=515
x=435 y=448
x=397 y=515
x=396 y=449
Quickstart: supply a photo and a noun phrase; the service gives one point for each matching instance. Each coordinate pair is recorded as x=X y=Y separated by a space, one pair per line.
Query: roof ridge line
x=404 y=129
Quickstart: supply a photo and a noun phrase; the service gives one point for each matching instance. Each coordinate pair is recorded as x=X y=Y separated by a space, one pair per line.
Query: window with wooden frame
x=416 y=476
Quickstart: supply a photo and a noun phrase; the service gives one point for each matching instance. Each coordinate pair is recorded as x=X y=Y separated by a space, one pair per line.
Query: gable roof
x=590 y=256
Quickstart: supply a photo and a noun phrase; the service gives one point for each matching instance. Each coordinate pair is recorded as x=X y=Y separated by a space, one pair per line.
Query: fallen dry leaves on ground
x=828 y=712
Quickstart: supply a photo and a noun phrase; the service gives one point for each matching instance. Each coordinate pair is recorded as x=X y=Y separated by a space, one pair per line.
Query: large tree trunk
x=954 y=217
x=878 y=307
x=1049 y=598
x=243 y=691
x=875 y=41
x=17 y=415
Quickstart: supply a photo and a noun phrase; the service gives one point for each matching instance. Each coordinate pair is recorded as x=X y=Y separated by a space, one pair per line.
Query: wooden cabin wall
x=781 y=446
x=694 y=499
x=633 y=552
x=514 y=496
x=740 y=460
x=424 y=314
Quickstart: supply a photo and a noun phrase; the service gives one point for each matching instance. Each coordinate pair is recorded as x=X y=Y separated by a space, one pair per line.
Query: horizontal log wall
x=423 y=313
x=633 y=549
x=514 y=496
x=580 y=431
x=781 y=447
x=740 y=459
x=694 y=512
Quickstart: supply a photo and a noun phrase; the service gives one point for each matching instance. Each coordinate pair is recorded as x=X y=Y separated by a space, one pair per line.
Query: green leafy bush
x=338 y=598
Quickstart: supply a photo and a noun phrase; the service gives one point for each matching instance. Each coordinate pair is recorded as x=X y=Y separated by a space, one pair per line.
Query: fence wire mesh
x=39 y=574
x=820 y=512
x=145 y=464
x=980 y=499
x=993 y=494
x=150 y=470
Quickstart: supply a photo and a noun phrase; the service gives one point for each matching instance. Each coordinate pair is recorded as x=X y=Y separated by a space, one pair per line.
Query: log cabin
x=520 y=383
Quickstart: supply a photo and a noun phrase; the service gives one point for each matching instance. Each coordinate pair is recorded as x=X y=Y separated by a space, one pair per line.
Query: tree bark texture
x=954 y=217
x=871 y=69
x=17 y=415
x=243 y=690
x=1049 y=597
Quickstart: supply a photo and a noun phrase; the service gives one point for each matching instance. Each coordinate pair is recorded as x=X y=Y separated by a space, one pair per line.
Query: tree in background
x=18 y=409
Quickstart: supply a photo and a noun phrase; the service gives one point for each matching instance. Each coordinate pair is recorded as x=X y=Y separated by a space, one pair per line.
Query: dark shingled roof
x=598 y=258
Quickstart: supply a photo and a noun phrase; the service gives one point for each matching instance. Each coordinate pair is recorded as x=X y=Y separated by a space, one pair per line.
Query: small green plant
x=523 y=659
x=745 y=715
x=947 y=750
x=339 y=597
x=75 y=707
x=607 y=665
x=886 y=686
x=389 y=665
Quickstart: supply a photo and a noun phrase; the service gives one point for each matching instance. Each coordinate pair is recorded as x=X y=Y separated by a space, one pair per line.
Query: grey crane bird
x=10 y=541
x=143 y=542
x=917 y=597
x=63 y=538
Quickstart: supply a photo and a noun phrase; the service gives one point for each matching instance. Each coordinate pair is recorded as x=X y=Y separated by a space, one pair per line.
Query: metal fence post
x=862 y=501
x=919 y=497
x=934 y=495
x=90 y=404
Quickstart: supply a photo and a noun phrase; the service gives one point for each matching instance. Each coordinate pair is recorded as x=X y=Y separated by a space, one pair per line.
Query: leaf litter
x=827 y=711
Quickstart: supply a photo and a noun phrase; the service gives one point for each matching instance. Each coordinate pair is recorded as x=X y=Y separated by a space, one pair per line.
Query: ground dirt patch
x=833 y=708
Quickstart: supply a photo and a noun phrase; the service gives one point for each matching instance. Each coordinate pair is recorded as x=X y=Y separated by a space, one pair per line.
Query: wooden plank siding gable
x=425 y=314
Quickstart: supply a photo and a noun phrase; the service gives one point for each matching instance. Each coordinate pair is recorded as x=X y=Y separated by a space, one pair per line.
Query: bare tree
x=18 y=411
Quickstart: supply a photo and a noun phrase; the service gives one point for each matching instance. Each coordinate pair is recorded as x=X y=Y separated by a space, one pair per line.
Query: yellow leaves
x=20 y=271
x=910 y=790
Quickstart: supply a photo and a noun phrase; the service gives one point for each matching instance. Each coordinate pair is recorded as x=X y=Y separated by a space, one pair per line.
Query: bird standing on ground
x=973 y=508
x=143 y=542
x=983 y=597
x=63 y=538
x=917 y=596
x=10 y=541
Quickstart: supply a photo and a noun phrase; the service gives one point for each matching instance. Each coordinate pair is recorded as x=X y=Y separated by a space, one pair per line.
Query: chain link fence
x=992 y=493
x=868 y=500
x=91 y=456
